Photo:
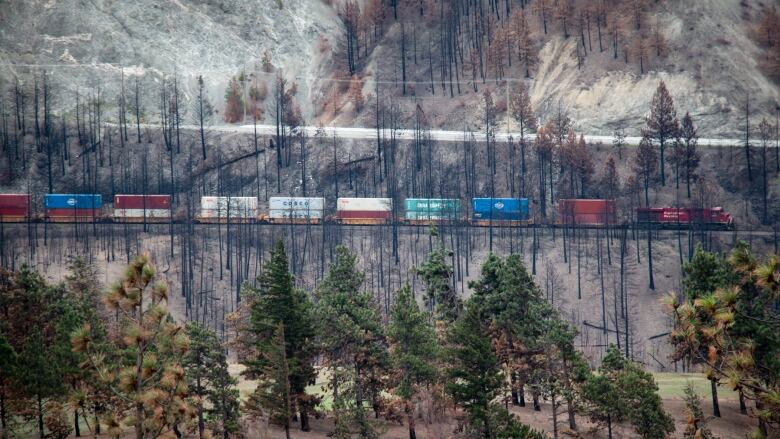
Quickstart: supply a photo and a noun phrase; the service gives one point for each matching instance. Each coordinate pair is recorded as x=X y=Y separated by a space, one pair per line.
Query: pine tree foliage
x=662 y=125
x=636 y=393
x=352 y=340
x=696 y=423
x=40 y=368
x=609 y=180
x=273 y=395
x=475 y=377
x=646 y=164
x=686 y=158
x=212 y=388
x=148 y=378
x=735 y=332
x=413 y=350
x=440 y=295
x=276 y=301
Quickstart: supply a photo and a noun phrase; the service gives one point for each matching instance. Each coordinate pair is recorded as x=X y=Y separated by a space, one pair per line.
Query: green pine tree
x=276 y=301
x=7 y=365
x=638 y=394
x=704 y=274
x=475 y=377
x=273 y=394
x=413 y=350
x=210 y=382
x=352 y=339
x=440 y=295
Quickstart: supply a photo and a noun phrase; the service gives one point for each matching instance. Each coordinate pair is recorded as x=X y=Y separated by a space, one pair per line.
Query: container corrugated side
x=435 y=216
x=513 y=209
x=365 y=204
x=281 y=214
x=221 y=203
x=72 y=213
x=124 y=201
x=296 y=203
x=142 y=213
x=16 y=205
x=432 y=204
x=15 y=200
x=73 y=201
x=363 y=214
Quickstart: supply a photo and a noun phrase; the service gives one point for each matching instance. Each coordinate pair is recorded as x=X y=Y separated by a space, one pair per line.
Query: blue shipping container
x=73 y=201
x=507 y=209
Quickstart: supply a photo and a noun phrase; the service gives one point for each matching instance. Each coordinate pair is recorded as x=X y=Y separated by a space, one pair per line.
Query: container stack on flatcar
x=364 y=210
x=15 y=208
x=224 y=209
x=140 y=208
x=500 y=212
x=73 y=207
x=425 y=210
x=295 y=210
x=583 y=212
x=684 y=217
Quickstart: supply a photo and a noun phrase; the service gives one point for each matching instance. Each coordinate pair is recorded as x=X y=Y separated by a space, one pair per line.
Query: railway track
x=400 y=224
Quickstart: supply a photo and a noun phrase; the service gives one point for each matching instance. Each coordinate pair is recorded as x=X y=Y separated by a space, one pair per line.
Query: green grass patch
x=672 y=385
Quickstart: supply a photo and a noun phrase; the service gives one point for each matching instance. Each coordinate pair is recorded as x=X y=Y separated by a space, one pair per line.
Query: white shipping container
x=140 y=213
x=280 y=214
x=365 y=204
x=239 y=207
x=296 y=203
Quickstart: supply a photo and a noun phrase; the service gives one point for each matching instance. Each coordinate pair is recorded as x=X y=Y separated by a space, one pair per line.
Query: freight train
x=485 y=212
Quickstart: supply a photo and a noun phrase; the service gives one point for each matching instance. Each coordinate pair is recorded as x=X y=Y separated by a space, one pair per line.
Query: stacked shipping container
x=296 y=208
x=138 y=207
x=500 y=209
x=364 y=210
x=14 y=207
x=587 y=212
x=427 y=209
x=240 y=208
x=72 y=207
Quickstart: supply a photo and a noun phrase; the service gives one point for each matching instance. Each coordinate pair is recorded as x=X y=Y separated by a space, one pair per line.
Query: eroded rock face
x=710 y=66
x=83 y=43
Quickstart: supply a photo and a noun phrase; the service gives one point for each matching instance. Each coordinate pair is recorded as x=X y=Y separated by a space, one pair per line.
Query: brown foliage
x=767 y=34
x=234 y=103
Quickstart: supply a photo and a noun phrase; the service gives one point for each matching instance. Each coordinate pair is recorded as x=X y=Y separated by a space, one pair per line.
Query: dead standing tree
x=662 y=125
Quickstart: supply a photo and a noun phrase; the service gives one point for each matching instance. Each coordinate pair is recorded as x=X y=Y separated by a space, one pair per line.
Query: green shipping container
x=432 y=208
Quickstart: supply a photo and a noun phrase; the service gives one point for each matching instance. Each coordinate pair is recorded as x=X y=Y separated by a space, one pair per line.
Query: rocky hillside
x=709 y=59
x=87 y=43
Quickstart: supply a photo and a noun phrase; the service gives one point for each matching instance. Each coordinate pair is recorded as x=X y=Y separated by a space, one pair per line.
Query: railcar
x=368 y=211
x=73 y=207
x=142 y=208
x=227 y=209
x=500 y=212
x=295 y=210
x=15 y=208
x=587 y=212
x=684 y=217
x=421 y=211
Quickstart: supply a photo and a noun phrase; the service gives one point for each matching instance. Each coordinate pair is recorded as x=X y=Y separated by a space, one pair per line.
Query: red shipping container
x=71 y=213
x=587 y=212
x=363 y=214
x=142 y=201
x=17 y=205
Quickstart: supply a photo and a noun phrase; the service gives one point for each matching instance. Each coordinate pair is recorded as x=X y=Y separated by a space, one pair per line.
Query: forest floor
x=731 y=424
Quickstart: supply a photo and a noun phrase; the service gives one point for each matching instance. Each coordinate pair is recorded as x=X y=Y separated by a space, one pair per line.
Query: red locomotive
x=684 y=217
